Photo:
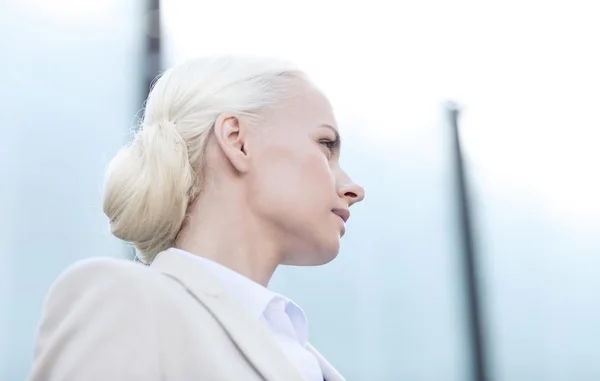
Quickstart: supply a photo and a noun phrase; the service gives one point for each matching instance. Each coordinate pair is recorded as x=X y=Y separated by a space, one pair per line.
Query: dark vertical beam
x=472 y=286
x=151 y=63
x=153 y=53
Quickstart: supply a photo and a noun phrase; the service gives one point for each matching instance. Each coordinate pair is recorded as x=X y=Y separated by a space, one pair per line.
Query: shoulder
x=100 y=311
x=100 y=267
x=102 y=274
x=101 y=294
x=102 y=282
x=106 y=272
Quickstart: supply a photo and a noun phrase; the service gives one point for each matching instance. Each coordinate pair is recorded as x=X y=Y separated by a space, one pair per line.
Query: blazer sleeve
x=98 y=323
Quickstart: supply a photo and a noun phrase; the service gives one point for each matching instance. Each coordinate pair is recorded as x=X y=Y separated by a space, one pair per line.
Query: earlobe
x=230 y=133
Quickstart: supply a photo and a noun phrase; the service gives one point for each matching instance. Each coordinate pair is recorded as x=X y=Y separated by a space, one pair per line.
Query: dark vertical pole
x=473 y=304
x=151 y=61
x=153 y=54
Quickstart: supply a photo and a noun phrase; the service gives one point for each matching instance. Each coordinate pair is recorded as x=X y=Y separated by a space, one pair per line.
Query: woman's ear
x=231 y=133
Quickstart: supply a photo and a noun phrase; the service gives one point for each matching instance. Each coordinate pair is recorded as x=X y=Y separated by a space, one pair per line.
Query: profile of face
x=293 y=179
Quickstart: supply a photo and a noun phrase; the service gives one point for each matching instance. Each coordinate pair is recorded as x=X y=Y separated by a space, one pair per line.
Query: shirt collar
x=255 y=297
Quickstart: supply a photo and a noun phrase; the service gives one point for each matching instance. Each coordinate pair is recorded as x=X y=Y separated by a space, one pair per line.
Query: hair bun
x=147 y=189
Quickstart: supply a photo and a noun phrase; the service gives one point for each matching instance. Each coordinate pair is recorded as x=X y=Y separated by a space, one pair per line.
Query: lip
x=344 y=214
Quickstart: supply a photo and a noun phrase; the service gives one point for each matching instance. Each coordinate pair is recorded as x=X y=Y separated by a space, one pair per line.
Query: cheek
x=296 y=179
x=309 y=177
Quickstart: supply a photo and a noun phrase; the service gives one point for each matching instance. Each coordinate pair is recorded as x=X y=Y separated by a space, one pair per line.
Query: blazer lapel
x=251 y=337
x=329 y=372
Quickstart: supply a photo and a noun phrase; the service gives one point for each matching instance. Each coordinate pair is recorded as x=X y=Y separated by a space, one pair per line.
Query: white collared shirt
x=285 y=319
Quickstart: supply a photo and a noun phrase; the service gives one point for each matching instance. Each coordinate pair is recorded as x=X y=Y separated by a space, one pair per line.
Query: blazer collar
x=251 y=337
x=329 y=372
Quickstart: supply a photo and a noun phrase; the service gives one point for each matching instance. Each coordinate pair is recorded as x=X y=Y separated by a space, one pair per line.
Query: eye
x=331 y=145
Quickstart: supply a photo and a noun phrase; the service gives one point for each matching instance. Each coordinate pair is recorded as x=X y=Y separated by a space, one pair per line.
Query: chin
x=328 y=258
x=315 y=256
x=329 y=254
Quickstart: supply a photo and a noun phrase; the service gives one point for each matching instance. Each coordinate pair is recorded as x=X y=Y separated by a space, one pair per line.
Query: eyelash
x=330 y=144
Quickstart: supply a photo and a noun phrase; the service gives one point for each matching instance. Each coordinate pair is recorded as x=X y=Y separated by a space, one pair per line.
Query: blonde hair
x=150 y=182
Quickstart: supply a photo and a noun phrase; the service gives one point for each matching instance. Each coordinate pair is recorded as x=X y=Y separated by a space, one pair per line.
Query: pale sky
x=525 y=71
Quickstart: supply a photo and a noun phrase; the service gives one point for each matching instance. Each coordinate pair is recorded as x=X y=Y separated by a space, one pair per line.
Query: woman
x=234 y=171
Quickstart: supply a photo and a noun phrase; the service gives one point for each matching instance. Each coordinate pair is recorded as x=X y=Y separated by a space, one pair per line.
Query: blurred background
x=396 y=304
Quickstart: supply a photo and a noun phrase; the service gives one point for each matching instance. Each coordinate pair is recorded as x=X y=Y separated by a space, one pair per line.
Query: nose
x=350 y=191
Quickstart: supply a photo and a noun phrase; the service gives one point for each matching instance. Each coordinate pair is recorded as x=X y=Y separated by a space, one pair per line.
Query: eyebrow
x=335 y=131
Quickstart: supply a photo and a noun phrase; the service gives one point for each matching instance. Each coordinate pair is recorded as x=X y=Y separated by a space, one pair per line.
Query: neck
x=227 y=233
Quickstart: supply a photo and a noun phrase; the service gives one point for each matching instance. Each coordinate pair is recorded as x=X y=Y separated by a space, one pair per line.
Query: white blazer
x=111 y=319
